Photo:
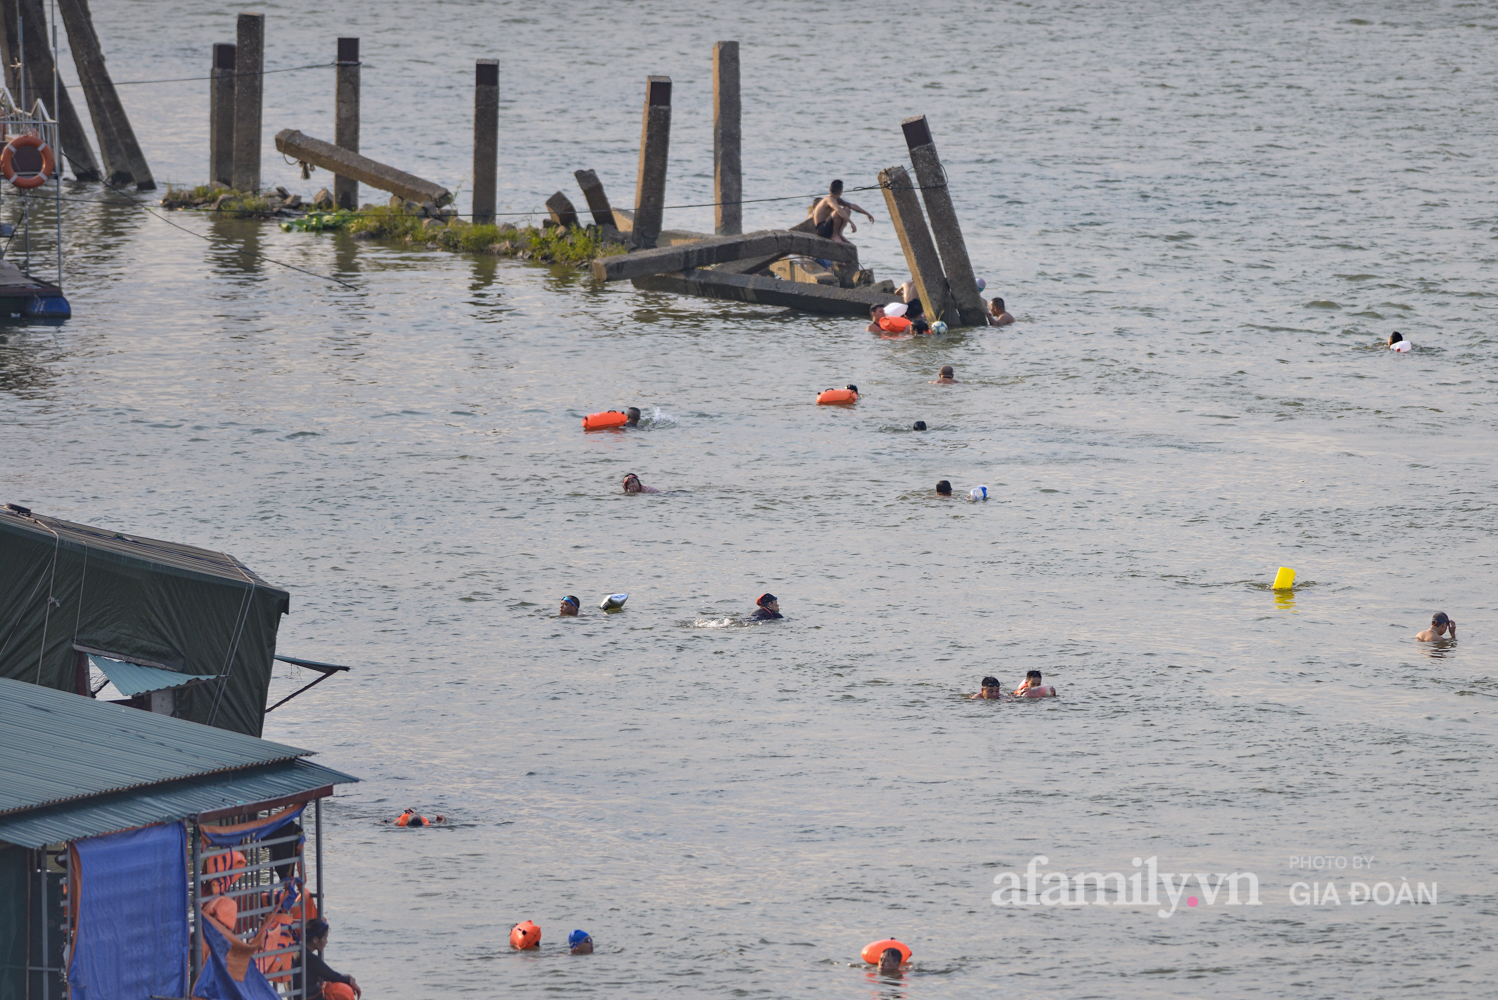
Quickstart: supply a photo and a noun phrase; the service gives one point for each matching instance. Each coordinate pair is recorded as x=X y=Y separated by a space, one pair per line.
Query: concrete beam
x=943 y=214
x=123 y=160
x=717 y=250
x=728 y=170
x=655 y=141
x=768 y=291
x=249 y=92
x=561 y=209
x=221 y=116
x=485 y=140
x=346 y=118
x=598 y=201
x=37 y=81
x=757 y=265
x=805 y=271
x=915 y=239
x=361 y=168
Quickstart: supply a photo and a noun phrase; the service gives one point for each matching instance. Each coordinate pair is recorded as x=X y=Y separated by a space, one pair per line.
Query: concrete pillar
x=915 y=239
x=39 y=79
x=346 y=118
x=655 y=141
x=561 y=209
x=728 y=170
x=249 y=91
x=221 y=116
x=598 y=202
x=485 y=140
x=949 y=242
x=123 y=160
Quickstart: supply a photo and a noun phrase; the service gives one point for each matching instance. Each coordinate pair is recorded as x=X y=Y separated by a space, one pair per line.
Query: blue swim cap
x=576 y=938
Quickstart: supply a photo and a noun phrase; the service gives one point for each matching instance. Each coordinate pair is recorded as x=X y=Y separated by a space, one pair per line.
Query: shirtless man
x=1440 y=627
x=632 y=484
x=947 y=377
x=1033 y=688
x=913 y=305
x=831 y=214
x=992 y=691
x=997 y=314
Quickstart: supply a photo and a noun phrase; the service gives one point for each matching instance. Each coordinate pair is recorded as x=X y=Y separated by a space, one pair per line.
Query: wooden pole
x=346 y=118
x=485 y=140
x=249 y=91
x=728 y=172
x=915 y=239
x=40 y=79
x=655 y=140
x=221 y=116
x=598 y=201
x=949 y=242
x=123 y=160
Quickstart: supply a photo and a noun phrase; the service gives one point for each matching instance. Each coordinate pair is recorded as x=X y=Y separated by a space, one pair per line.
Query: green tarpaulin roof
x=131 y=679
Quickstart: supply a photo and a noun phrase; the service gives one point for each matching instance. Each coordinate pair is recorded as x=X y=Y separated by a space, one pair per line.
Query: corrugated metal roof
x=131 y=679
x=59 y=746
x=164 y=803
x=174 y=555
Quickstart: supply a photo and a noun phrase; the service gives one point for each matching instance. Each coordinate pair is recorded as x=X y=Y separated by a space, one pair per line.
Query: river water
x=1206 y=216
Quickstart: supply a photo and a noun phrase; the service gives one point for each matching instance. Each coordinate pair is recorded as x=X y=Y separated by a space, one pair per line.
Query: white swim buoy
x=614 y=602
x=978 y=493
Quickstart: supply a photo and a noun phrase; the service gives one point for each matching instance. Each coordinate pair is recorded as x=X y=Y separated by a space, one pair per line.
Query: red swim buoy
x=606 y=420
x=525 y=935
x=873 y=950
x=830 y=397
x=27 y=161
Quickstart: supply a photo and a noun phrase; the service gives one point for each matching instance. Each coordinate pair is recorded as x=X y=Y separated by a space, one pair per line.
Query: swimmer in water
x=947 y=377
x=920 y=425
x=633 y=413
x=1440 y=627
x=992 y=690
x=412 y=818
x=943 y=488
x=1398 y=343
x=913 y=305
x=632 y=484
x=569 y=607
x=1033 y=687
x=580 y=943
x=769 y=609
x=997 y=314
x=920 y=327
x=889 y=962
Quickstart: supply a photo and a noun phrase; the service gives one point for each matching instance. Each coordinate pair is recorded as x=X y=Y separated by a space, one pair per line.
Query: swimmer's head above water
x=1395 y=338
x=1441 y=626
x=944 y=488
x=569 y=606
x=920 y=425
x=889 y=962
x=633 y=413
x=632 y=483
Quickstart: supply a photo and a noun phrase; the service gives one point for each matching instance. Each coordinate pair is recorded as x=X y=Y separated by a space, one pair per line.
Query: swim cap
x=572 y=601
x=1440 y=618
x=850 y=386
x=765 y=599
x=982 y=284
x=577 y=937
x=920 y=425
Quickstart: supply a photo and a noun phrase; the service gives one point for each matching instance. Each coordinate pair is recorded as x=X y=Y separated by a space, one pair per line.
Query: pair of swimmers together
x=768 y=609
x=1033 y=687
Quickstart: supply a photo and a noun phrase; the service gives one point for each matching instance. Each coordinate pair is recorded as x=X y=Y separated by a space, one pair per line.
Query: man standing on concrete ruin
x=831 y=214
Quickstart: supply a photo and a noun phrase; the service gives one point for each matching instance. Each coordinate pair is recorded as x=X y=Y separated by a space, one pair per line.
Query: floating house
x=177 y=630
x=144 y=856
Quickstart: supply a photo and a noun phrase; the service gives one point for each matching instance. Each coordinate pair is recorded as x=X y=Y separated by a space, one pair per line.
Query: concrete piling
x=38 y=69
x=561 y=209
x=249 y=90
x=485 y=140
x=598 y=202
x=341 y=162
x=728 y=172
x=123 y=160
x=949 y=242
x=346 y=118
x=221 y=116
x=655 y=141
x=915 y=239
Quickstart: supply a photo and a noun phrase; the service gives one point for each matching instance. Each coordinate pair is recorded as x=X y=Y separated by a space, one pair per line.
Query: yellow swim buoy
x=1284 y=579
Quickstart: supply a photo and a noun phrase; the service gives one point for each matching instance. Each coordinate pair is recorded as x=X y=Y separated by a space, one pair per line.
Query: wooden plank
x=717 y=250
x=361 y=168
x=768 y=291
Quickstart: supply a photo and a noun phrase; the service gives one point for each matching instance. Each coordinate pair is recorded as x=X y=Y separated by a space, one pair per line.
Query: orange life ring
x=832 y=396
x=604 y=421
x=29 y=175
x=872 y=951
x=525 y=935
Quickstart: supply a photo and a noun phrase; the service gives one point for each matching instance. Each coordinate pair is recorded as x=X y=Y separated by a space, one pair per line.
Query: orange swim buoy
x=525 y=935
x=872 y=951
x=829 y=397
x=34 y=168
x=604 y=421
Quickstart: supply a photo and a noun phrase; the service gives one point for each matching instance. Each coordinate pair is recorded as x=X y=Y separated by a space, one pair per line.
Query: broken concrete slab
x=598 y=201
x=767 y=291
x=562 y=211
x=344 y=163
x=717 y=250
x=807 y=271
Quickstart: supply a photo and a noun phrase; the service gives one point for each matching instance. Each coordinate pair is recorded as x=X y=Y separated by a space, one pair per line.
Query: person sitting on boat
x=322 y=981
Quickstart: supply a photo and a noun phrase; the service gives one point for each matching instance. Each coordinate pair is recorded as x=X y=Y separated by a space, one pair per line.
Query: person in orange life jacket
x=322 y=981
x=414 y=819
x=1033 y=688
x=769 y=608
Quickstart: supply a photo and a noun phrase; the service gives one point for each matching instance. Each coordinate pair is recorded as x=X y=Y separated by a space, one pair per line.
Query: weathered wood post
x=346 y=118
x=221 y=116
x=915 y=239
x=249 y=90
x=123 y=160
x=39 y=74
x=485 y=140
x=598 y=201
x=949 y=242
x=655 y=140
x=728 y=171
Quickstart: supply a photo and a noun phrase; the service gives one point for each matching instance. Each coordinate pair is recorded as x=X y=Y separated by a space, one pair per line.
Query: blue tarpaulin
x=217 y=981
x=131 y=938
